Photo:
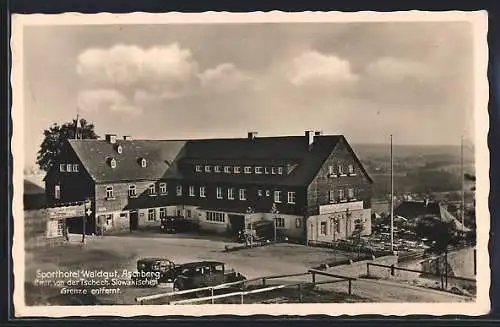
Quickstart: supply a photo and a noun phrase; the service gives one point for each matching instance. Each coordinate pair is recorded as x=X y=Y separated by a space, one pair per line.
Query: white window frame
x=152 y=190
x=216 y=217
x=144 y=163
x=350 y=193
x=341 y=169
x=163 y=212
x=279 y=222
x=151 y=215
x=237 y=169
x=163 y=188
x=109 y=192
x=331 y=171
x=112 y=163
x=191 y=190
x=266 y=170
x=62 y=168
x=273 y=170
x=218 y=192
x=230 y=193
x=268 y=193
x=280 y=170
x=291 y=197
x=132 y=191
x=323 y=228
x=203 y=192
x=217 y=169
x=258 y=170
x=75 y=168
x=341 y=195
x=69 y=168
x=259 y=193
x=57 y=191
x=227 y=169
x=248 y=169
x=331 y=196
x=178 y=190
x=350 y=169
x=208 y=169
x=243 y=194
x=277 y=196
x=119 y=149
x=198 y=169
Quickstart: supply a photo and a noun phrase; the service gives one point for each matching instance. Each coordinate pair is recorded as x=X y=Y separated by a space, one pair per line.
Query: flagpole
x=392 y=199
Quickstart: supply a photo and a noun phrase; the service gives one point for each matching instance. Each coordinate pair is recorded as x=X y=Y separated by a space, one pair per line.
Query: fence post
x=263 y=282
x=350 y=287
x=392 y=270
x=367 y=269
x=314 y=278
x=442 y=281
x=241 y=298
x=300 y=293
x=213 y=300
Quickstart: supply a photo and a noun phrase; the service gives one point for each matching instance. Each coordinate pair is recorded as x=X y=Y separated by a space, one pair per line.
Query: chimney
x=127 y=137
x=252 y=135
x=309 y=137
x=111 y=138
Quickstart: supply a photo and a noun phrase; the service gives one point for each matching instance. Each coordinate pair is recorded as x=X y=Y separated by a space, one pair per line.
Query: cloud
x=396 y=70
x=224 y=77
x=313 y=67
x=105 y=99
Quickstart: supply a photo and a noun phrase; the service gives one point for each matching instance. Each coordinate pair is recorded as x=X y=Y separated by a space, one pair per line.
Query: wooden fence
x=242 y=293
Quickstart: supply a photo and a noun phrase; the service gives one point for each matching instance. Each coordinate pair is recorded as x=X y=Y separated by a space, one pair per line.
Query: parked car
x=204 y=273
x=261 y=230
x=156 y=269
x=168 y=225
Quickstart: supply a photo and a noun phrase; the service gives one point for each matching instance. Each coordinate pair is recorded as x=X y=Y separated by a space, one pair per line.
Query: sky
x=364 y=80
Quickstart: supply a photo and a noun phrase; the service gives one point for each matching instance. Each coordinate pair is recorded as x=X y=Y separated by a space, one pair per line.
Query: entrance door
x=237 y=223
x=134 y=220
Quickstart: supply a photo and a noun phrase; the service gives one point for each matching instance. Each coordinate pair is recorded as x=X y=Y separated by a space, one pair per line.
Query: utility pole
x=392 y=199
x=275 y=212
x=87 y=213
x=462 y=212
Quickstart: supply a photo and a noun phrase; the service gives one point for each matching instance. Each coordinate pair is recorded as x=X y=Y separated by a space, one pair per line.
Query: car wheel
x=177 y=286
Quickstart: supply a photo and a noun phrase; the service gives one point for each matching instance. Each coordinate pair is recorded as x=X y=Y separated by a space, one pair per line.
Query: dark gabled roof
x=414 y=209
x=95 y=156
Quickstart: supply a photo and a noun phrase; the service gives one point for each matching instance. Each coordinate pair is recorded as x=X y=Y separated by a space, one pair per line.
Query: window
x=331 y=171
x=341 y=194
x=188 y=213
x=112 y=163
x=219 y=217
x=163 y=188
x=230 y=194
x=268 y=193
x=266 y=170
x=350 y=169
x=248 y=170
x=227 y=169
x=258 y=170
x=198 y=168
x=298 y=222
x=207 y=169
x=163 y=213
x=280 y=170
x=191 y=191
x=203 y=191
x=75 y=168
x=350 y=193
x=259 y=192
x=331 y=196
x=143 y=163
x=243 y=194
x=119 y=149
x=217 y=169
x=178 y=190
x=151 y=215
x=68 y=168
x=219 y=192
x=57 y=192
x=280 y=222
x=323 y=228
x=109 y=192
x=273 y=170
x=237 y=169
x=277 y=196
x=152 y=189
x=62 y=167
x=132 y=191
x=341 y=171
x=179 y=213
x=291 y=197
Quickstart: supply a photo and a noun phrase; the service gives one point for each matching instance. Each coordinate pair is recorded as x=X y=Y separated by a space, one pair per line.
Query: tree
x=56 y=136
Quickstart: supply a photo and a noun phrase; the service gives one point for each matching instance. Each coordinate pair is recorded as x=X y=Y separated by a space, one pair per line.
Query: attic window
x=143 y=163
x=119 y=149
x=112 y=163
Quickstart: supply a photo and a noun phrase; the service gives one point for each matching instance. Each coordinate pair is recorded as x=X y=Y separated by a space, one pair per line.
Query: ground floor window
x=188 y=213
x=216 y=216
x=298 y=223
x=151 y=215
x=280 y=222
x=323 y=228
x=163 y=212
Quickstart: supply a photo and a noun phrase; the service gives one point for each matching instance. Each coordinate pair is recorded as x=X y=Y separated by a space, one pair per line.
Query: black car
x=155 y=270
x=261 y=230
x=204 y=273
x=169 y=225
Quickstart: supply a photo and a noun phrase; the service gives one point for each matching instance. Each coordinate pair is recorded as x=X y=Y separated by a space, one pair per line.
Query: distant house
x=316 y=183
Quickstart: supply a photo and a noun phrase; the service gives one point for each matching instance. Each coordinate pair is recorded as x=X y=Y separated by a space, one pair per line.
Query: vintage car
x=261 y=230
x=168 y=225
x=159 y=270
x=204 y=273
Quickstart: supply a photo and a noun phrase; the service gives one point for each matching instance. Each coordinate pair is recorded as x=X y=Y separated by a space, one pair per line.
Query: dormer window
x=273 y=170
x=351 y=170
x=227 y=169
x=217 y=169
x=341 y=170
x=62 y=167
x=119 y=149
x=112 y=163
x=237 y=169
x=266 y=170
x=143 y=163
x=258 y=170
x=207 y=169
x=198 y=168
x=280 y=170
x=248 y=170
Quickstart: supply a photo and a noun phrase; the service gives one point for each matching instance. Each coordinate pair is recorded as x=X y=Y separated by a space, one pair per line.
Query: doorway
x=237 y=223
x=134 y=220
